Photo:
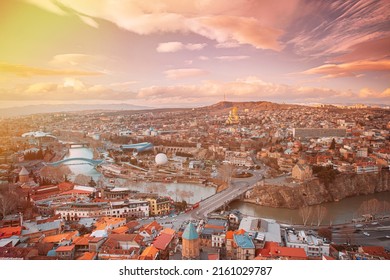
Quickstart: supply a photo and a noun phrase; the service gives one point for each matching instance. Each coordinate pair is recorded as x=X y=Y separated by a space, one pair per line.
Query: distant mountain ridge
x=251 y=105
x=54 y=108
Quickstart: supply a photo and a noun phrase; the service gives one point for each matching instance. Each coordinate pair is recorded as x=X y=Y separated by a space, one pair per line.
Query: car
x=366 y=233
x=374 y=223
x=387 y=236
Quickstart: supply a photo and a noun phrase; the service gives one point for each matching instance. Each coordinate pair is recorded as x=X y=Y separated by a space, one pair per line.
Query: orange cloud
x=28 y=71
x=258 y=23
x=350 y=68
x=68 y=89
x=366 y=93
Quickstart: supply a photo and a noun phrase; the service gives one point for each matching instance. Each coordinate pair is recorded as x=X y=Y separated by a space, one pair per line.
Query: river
x=191 y=193
x=82 y=167
x=337 y=212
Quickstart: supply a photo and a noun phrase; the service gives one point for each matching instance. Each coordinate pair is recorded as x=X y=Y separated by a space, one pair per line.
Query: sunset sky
x=172 y=53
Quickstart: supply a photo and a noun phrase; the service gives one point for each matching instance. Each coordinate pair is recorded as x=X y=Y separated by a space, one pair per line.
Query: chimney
x=21 y=218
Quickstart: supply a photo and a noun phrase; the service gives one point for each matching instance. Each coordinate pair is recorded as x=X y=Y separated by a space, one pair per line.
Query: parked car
x=366 y=233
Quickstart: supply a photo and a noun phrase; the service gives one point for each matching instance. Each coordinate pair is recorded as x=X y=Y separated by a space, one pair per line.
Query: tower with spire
x=190 y=244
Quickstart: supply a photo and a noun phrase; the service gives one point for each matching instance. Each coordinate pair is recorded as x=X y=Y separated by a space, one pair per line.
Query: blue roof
x=51 y=253
x=140 y=147
x=244 y=241
x=190 y=232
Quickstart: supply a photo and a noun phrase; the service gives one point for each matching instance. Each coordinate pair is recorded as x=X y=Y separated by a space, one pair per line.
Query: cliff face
x=314 y=192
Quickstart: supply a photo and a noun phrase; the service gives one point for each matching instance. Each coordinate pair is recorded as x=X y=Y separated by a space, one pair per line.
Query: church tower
x=24 y=175
x=190 y=243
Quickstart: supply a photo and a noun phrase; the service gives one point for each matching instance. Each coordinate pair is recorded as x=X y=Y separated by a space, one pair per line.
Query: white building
x=313 y=245
x=119 y=209
x=125 y=133
x=218 y=240
x=369 y=168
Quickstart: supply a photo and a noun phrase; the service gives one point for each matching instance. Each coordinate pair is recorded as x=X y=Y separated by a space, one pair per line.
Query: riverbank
x=314 y=192
x=340 y=212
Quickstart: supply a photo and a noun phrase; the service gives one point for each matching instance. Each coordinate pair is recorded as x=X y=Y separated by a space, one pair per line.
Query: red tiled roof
x=65 y=248
x=60 y=237
x=272 y=249
x=9 y=231
x=65 y=186
x=162 y=241
x=153 y=225
x=149 y=253
x=81 y=240
x=18 y=253
x=120 y=230
x=214 y=226
x=87 y=256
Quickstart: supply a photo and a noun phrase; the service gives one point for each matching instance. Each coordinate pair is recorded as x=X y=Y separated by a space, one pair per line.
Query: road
x=350 y=234
x=210 y=204
x=238 y=187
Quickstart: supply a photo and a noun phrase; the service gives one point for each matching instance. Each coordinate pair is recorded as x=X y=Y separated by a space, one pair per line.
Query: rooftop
x=190 y=232
x=244 y=241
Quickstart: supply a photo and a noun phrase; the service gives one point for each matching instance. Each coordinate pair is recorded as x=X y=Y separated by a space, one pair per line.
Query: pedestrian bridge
x=94 y=162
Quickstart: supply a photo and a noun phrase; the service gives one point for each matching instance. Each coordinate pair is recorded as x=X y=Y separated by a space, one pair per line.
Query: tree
x=305 y=213
x=326 y=233
x=82 y=180
x=332 y=145
x=370 y=207
x=92 y=183
x=226 y=172
x=8 y=202
x=55 y=173
x=320 y=214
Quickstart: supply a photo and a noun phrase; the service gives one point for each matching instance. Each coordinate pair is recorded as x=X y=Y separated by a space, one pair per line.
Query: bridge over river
x=77 y=161
x=237 y=189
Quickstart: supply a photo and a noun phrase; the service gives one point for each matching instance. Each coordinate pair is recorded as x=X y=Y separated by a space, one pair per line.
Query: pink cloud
x=232 y=57
x=366 y=93
x=373 y=50
x=183 y=73
x=349 y=69
x=248 y=88
x=177 y=46
x=258 y=23
x=169 y=47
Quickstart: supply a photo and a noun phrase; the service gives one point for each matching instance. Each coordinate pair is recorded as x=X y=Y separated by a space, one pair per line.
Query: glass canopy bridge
x=76 y=161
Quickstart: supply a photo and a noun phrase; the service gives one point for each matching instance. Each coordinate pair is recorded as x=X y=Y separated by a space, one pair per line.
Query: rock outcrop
x=315 y=192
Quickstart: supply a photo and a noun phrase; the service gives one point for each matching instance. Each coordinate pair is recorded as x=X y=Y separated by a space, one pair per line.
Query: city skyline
x=171 y=54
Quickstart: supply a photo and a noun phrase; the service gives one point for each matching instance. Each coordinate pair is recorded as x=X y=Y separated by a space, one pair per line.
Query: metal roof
x=190 y=232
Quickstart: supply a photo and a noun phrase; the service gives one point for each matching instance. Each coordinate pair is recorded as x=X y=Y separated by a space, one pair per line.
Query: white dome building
x=161 y=159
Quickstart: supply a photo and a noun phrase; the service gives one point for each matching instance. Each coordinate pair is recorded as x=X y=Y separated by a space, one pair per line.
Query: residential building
x=314 y=246
x=302 y=172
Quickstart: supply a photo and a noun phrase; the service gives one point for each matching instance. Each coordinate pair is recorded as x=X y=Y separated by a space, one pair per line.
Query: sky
x=176 y=53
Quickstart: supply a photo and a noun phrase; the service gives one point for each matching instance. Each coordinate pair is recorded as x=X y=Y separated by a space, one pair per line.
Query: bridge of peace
x=80 y=160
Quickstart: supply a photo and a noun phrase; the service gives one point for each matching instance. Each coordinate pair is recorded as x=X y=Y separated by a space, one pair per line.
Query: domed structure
x=161 y=159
